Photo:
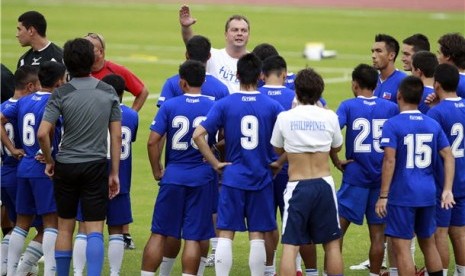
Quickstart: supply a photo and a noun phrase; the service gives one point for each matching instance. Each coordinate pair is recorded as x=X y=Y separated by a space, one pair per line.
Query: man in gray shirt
x=89 y=108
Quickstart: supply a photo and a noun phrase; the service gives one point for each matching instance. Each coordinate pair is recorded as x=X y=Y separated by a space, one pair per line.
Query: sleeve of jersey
x=277 y=139
x=115 y=110
x=388 y=137
x=11 y=111
x=133 y=83
x=52 y=109
x=443 y=142
x=160 y=122
x=341 y=115
x=166 y=93
x=213 y=122
x=337 y=136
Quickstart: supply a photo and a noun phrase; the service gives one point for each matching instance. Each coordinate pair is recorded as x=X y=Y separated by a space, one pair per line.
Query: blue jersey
x=248 y=119
x=178 y=118
x=417 y=140
x=282 y=94
x=387 y=89
x=9 y=163
x=427 y=90
x=212 y=87
x=28 y=112
x=129 y=126
x=461 y=86
x=364 y=118
x=450 y=114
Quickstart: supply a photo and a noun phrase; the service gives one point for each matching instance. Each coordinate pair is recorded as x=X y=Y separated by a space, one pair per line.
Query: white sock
x=459 y=270
x=166 y=266
x=257 y=257
x=393 y=271
x=214 y=244
x=18 y=236
x=312 y=272
x=270 y=270
x=115 y=253
x=223 y=257
x=298 y=262
x=373 y=274
x=186 y=274
x=79 y=254
x=4 y=252
x=146 y=273
x=30 y=258
x=48 y=246
x=412 y=249
x=203 y=262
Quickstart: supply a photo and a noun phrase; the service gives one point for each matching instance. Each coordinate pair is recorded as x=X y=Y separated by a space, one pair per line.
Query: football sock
x=203 y=262
x=311 y=272
x=223 y=256
x=115 y=253
x=257 y=257
x=4 y=252
x=393 y=271
x=30 y=258
x=48 y=247
x=79 y=254
x=166 y=266
x=94 y=253
x=147 y=273
x=63 y=261
x=18 y=236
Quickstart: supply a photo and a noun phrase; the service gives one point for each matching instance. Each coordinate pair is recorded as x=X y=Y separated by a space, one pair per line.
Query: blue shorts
x=182 y=209
x=355 y=202
x=310 y=214
x=35 y=196
x=236 y=206
x=279 y=185
x=8 y=196
x=8 y=178
x=451 y=217
x=215 y=193
x=404 y=222
x=119 y=210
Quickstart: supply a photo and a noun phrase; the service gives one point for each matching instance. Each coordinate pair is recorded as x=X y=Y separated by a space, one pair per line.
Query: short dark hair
x=447 y=76
x=366 y=76
x=24 y=75
x=193 y=72
x=274 y=65
x=419 y=42
x=411 y=89
x=50 y=72
x=198 y=48
x=117 y=82
x=78 y=55
x=265 y=50
x=309 y=86
x=34 y=19
x=426 y=62
x=391 y=43
x=249 y=67
x=236 y=17
x=452 y=45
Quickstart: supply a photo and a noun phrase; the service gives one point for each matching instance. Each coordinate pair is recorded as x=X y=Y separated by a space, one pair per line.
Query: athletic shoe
x=34 y=269
x=420 y=272
x=210 y=262
x=128 y=242
x=361 y=266
x=299 y=273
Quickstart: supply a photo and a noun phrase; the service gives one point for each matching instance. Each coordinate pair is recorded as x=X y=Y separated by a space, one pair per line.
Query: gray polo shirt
x=87 y=106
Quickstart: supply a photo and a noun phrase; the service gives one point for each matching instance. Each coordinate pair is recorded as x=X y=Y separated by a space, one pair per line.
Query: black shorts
x=85 y=182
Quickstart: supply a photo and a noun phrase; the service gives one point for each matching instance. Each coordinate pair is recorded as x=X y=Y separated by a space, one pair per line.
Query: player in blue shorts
x=423 y=65
x=274 y=71
x=452 y=51
x=307 y=134
x=246 y=197
x=35 y=194
x=412 y=143
x=363 y=117
x=450 y=114
x=119 y=208
x=26 y=81
x=384 y=54
x=186 y=178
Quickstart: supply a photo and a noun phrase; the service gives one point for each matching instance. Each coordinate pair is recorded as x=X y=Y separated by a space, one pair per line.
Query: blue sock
x=63 y=260
x=94 y=253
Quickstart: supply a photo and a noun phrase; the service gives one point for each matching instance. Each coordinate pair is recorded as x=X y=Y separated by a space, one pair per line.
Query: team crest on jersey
x=386 y=95
x=35 y=61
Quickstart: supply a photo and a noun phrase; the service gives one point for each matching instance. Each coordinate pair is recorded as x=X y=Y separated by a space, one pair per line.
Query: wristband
x=383 y=197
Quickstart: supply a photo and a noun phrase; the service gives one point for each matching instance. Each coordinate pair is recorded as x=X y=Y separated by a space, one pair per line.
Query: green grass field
x=146 y=38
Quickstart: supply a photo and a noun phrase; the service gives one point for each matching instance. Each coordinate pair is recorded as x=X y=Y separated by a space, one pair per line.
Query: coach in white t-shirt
x=223 y=62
